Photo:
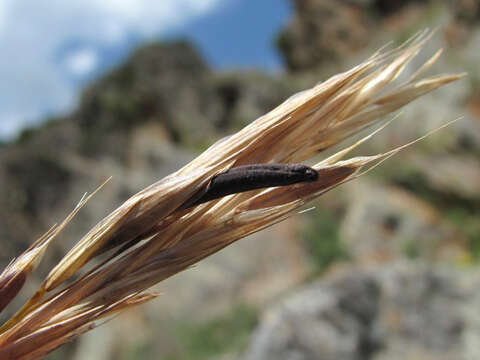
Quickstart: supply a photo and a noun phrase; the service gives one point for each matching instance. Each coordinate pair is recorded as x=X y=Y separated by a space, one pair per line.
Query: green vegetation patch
x=322 y=240
x=467 y=221
x=463 y=213
x=140 y=351
x=411 y=249
x=227 y=333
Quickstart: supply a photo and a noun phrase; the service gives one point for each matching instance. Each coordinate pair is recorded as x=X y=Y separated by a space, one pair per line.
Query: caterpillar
x=251 y=177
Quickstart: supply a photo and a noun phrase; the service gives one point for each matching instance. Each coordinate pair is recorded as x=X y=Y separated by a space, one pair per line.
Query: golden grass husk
x=151 y=237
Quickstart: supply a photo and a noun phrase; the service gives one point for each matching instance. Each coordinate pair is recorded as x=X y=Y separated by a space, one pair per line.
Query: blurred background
x=385 y=267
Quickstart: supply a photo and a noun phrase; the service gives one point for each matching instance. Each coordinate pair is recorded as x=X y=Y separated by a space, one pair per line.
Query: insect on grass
x=252 y=177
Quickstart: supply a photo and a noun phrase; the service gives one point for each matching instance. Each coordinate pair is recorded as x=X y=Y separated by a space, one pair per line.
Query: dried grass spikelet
x=151 y=237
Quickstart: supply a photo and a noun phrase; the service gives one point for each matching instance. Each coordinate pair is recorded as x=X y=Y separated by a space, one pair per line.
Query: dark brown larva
x=251 y=177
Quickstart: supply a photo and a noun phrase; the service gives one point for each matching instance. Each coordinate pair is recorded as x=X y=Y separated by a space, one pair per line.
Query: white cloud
x=32 y=32
x=153 y=15
x=82 y=61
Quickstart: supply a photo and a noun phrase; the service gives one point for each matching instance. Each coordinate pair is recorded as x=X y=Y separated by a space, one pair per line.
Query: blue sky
x=52 y=48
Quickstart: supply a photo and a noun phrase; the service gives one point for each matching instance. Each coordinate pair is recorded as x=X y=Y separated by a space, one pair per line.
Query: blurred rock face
x=322 y=31
x=163 y=83
x=401 y=311
x=384 y=223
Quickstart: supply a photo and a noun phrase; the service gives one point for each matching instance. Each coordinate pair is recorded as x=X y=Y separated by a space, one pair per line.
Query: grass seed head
x=152 y=236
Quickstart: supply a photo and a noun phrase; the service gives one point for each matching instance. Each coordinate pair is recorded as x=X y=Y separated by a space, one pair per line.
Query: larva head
x=306 y=173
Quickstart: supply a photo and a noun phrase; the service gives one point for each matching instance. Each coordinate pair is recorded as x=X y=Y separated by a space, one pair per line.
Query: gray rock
x=333 y=320
x=443 y=173
x=383 y=223
x=321 y=32
x=400 y=311
x=167 y=83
